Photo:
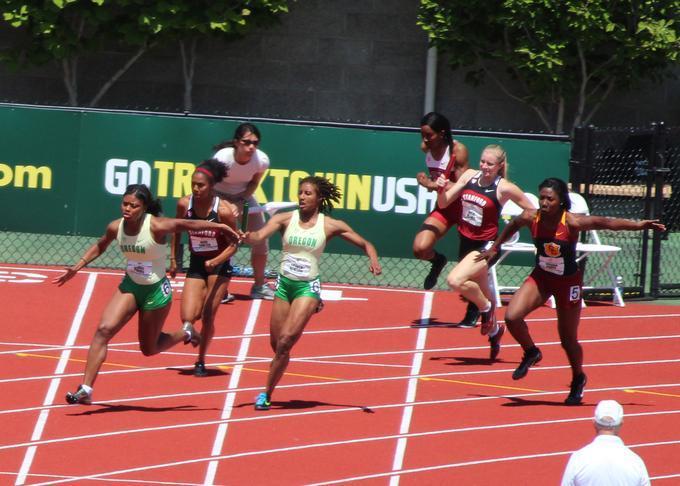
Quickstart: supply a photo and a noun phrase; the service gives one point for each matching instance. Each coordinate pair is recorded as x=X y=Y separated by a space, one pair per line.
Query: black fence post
x=580 y=164
x=658 y=179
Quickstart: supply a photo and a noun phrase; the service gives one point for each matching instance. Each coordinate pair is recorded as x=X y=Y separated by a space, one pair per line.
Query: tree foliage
x=63 y=31
x=562 y=58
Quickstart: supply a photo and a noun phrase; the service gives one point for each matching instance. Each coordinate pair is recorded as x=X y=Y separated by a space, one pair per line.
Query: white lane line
x=365 y=440
x=108 y=480
x=365 y=380
x=280 y=416
x=221 y=434
x=416 y=364
x=322 y=359
x=477 y=463
x=33 y=347
x=54 y=383
x=668 y=476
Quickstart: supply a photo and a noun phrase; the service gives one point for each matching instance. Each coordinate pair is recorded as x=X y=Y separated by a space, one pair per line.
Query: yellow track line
x=482 y=384
x=29 y=355
x=629 y=390
x=287 y=374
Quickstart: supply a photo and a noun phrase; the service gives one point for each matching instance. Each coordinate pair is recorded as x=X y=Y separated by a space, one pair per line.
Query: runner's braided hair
x=329 y=193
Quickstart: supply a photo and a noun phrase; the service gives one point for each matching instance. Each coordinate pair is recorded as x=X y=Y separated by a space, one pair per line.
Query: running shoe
x=495 y=342
x=471 y=317
x=530 y=358
x=263 y=291
x=438 y=264
x=576 y=390
x=199 y=369
x=488 y=319
x=80 y=396
x=261 y=402
x=191 y=335
x=228 y=298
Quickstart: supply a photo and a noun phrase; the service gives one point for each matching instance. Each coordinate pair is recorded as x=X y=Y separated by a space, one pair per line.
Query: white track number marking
x=21 y=277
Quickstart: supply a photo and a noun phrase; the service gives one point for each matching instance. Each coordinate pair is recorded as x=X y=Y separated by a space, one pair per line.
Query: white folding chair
x=595 y=245
x=509 y=211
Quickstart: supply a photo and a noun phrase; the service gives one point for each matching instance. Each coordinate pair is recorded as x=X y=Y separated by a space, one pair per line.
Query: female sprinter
x=482 y=194
x=209 y=271
x=298 y=287
x=145 y=290
x=442 y=153
x=247 y=165
x=555 y=232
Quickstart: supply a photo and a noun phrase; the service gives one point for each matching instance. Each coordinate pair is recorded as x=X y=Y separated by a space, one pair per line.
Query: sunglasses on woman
x=248 y=143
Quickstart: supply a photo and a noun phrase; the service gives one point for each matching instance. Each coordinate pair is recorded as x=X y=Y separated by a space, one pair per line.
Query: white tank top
x=145 y=257
x=302 y=248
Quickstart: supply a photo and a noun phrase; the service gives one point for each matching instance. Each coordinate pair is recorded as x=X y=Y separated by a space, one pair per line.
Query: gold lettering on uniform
x=181 y=184
x=163 y=176
x=6 y=175
x=294 y=182
x=359 y=188
x=279 y=176
x=32 y=173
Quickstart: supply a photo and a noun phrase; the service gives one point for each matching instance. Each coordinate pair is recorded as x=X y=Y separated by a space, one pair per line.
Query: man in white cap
x=606 y=460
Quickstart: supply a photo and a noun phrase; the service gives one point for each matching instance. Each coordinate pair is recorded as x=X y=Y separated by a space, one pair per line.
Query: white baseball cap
x=609 y=413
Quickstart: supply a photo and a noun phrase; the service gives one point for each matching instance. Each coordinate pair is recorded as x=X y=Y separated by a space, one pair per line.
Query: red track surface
x=369 y=396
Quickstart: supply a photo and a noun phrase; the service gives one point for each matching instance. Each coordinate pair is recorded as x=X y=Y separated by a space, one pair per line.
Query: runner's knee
x=285 y=343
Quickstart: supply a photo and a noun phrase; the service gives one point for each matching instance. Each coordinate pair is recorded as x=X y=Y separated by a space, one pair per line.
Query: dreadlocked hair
x=329 y=193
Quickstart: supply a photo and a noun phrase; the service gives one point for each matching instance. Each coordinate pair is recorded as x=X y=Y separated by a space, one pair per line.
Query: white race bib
x=472 y=214
x=298 y=267
x=203 y=243
x=552 y=265
x=142 y=269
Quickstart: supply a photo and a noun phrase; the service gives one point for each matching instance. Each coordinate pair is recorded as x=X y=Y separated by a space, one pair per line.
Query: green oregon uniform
x=302 y=249
x=145 y=273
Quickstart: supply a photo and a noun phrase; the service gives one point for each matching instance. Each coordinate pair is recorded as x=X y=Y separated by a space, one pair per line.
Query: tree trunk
x=69 y=69
x=112 y=80
x=188 y=70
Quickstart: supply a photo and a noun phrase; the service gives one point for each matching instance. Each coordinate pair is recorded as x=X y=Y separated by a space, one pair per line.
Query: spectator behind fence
x=246 y=165
x=606 y=460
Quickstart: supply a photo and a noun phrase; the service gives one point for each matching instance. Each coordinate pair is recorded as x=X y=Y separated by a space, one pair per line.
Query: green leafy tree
x=562 y=58
x=190 y=22
x=63 y=31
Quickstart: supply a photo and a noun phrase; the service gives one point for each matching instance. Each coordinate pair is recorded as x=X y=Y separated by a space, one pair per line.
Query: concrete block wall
x=360 y=61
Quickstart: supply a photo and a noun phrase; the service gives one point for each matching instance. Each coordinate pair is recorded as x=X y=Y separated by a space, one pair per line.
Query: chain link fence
x=59 y=250
x=633 y=173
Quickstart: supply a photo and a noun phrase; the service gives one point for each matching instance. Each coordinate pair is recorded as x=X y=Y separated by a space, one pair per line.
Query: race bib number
x=575 y=293
x=297 y=267
x=472 y=214
x=551 y=265
x=203 y=243
x=166 y=288
x=315 y=286
x=142 y=269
